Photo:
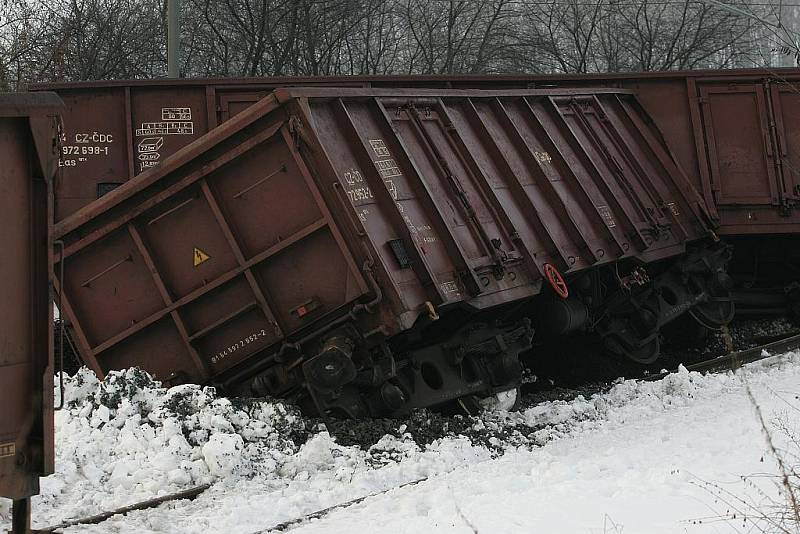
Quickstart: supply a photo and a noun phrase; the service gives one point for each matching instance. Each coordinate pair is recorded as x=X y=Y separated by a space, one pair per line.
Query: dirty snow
x=642 y=457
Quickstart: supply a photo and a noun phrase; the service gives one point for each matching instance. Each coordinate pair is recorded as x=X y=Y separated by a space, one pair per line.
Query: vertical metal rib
x=452 y=182
x=630 y=219
x=623 y=146
x=667 y=160
x=574 y=179
x=553 y=195
x=423 y=193
x=459 y=147
x=511 y=180
x=389 y=206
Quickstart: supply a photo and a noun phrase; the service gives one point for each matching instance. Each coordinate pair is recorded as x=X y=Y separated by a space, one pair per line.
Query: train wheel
x=715 y=314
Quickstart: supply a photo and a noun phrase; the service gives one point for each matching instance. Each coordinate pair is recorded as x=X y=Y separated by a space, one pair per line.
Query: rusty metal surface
x=28 y=151
x=29 y=104
x=375 y=207
x=737 y=173
x=752 y=139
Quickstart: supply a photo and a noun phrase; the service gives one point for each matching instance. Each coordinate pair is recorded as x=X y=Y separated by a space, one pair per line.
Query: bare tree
x=21 y=35
x=454 y=36
x=684 y=35
x=611 y=35
x=777 y=28
x=104 y=39
x=100 y=39
x=244 y=37
x=565 y=30
x=374 y=45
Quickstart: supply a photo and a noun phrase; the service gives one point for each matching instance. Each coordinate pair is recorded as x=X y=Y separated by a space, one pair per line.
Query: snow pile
x=638 y=458
x=127 y=439
x=627 y=400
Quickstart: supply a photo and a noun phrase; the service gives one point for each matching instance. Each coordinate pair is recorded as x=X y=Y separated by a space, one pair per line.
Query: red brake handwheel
x=556 y=280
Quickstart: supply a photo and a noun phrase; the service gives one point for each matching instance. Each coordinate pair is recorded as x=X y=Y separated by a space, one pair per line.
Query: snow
x=653 y=457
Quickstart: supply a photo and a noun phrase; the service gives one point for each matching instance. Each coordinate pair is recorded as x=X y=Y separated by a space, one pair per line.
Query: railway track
x=736 y=359
x=190 y=493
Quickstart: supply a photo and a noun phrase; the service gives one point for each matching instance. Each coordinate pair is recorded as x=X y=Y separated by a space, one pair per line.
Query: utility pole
x=173 y=38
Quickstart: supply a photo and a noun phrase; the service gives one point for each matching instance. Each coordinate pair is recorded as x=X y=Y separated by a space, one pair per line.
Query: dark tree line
x=53 y=40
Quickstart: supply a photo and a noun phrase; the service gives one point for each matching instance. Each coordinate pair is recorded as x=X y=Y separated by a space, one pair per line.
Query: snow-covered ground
x=646 y=457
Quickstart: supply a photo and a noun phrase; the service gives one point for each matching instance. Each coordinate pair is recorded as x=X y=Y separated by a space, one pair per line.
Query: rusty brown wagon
x=734 y=132
x=370 y=251
x=29 y=156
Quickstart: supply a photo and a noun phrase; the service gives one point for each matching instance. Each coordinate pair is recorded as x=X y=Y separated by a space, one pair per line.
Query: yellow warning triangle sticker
x=200 y=257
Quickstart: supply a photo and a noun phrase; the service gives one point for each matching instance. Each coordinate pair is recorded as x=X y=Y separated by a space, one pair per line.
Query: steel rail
x=281 y=527
x=190 y=494
x=734 y=360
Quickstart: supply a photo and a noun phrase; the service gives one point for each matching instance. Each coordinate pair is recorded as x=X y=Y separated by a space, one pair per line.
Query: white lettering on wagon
x=176 y=114
x=450 y=287
x=8 y=450
x=356 y=188
x=379 y=147
x=86 y=145
x=388 y=168
x=150 y=144
x=360 y=193
x=227 y=351
x=94 y=137
x=392 y=188
x=147 y=156
x=605 y=213
x=174 y=121
x=353 y=177
x=166 y=128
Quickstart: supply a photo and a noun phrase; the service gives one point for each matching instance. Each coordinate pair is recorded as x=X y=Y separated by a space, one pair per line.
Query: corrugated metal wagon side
x=29 y=156
x=367 y=251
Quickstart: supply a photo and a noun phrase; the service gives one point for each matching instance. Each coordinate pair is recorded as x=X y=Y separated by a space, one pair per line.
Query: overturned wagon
x=367 y=251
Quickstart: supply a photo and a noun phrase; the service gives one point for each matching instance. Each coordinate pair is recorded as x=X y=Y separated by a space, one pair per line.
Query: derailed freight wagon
x=367 y=252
